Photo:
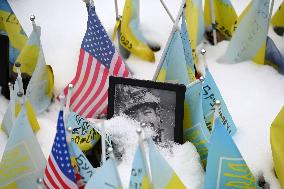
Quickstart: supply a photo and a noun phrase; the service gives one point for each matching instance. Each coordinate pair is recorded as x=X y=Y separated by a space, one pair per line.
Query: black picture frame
x=177 y=100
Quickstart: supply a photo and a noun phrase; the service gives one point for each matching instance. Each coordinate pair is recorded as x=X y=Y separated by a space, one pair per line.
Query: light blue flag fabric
x=23 y=161
x=174 y=65
x=187 y=50
x=210 y=94
x=138 y=177
x=40 y=87
x=105 y=177
x=273 y=55
x=195 y=129
x=85 y=168
x=251 y=33
x=226 y=167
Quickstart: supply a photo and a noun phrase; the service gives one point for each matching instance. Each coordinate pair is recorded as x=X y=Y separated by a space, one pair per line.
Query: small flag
x=83 y=132
x=249 y=39
x=210 y=94
x=163 y=176
x=194 y=127
x=105 y=177
x=177 y=64
x=40 y=87
x=278 y=21
x=29 y=54
x=138 y=177
x=84 y=167
x=131 y=37
x=23 y=161
x=226 y=167
x=277 y=145
x=59 y=172
x=225 y=16
x=98 y=59
x=273 y=56
x=10 y=25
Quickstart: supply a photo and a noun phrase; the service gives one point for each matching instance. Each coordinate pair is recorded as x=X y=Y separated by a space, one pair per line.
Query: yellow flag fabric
x=277 y=145
x=10 y=25
x=225 y=16
x=131 y=38
x=29 y=54
x=278 y=18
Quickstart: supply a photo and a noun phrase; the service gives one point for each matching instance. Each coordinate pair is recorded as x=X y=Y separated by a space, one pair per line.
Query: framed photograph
x=159 y=105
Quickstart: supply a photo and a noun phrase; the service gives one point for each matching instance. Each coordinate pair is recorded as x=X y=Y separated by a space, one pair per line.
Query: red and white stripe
x=54 y=178
x=90 y=92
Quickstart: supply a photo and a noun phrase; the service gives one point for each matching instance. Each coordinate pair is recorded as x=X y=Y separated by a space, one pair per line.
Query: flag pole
x=213 y=22
x=69 y=94
x=19 y=77
x=167 y=10
x=116 y=9
x=174 y=29
x=103 y=140
x=216 y=112
x=110 y=151
x=142 y=148
x=203 y=52
x=12 y=100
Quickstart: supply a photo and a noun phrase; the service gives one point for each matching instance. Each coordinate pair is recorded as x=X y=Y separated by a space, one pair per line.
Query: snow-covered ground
x=254 y=94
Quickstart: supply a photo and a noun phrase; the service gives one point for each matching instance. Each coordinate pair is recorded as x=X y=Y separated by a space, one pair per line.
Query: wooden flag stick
x=174 y=29
x=216 y=112
x=142 y=148
x=212 y=11
x=167 y=10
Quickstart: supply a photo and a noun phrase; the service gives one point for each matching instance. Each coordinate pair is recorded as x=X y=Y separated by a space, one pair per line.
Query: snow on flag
x=210 y=94
x=59 y=172
x=249 y=40
x=98 y=59
x=23 y=161
x=226 y=167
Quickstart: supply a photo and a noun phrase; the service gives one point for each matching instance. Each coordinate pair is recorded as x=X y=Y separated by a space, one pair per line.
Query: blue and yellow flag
x=40 y=88
x=29 y=54
x=194 y=127
x=195 y=24
x=210 y=94
x=105 y=177
x=249 y=40
x=163 y=176
x=10 y=25
x=277 y=20
x=138 y=177
x=226 y=167
x=83 y=165
x=225 y=16
x=131 y=37
x=277 y=145
x=83 y=134
x=23 y=161
x=177 y=64
x=273 y=56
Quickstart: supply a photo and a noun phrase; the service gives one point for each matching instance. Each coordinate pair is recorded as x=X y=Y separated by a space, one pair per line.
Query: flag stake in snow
x=203 y=52
x=217 y=106
x=103 y=140
x=139 y=131
x=167 y=10
x=12 y=102
x=69 y=94
x=213 y=21
x=19 y=77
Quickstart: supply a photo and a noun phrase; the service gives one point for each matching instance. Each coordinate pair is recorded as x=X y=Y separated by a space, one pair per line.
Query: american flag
x=98 y=59
x=59 y=172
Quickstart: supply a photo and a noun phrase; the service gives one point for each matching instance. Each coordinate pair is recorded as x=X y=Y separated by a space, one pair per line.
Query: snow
x=254 y=94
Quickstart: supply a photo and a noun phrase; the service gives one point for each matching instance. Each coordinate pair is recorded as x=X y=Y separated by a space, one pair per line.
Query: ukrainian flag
x=277 y=145
x=10 y=25
x=131 y=37
x=163 y=176
x=226 y=167
x=23 y=161
x=29 y=55
x=194 y=127
x=249 y=39
x=138 y=177
x=225 y=16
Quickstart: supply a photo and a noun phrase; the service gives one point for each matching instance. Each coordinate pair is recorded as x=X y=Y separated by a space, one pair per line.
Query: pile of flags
x=207 y=122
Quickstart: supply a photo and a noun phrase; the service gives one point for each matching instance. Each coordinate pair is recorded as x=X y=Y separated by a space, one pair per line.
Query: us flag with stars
x=59 y=172
x=97 y=60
